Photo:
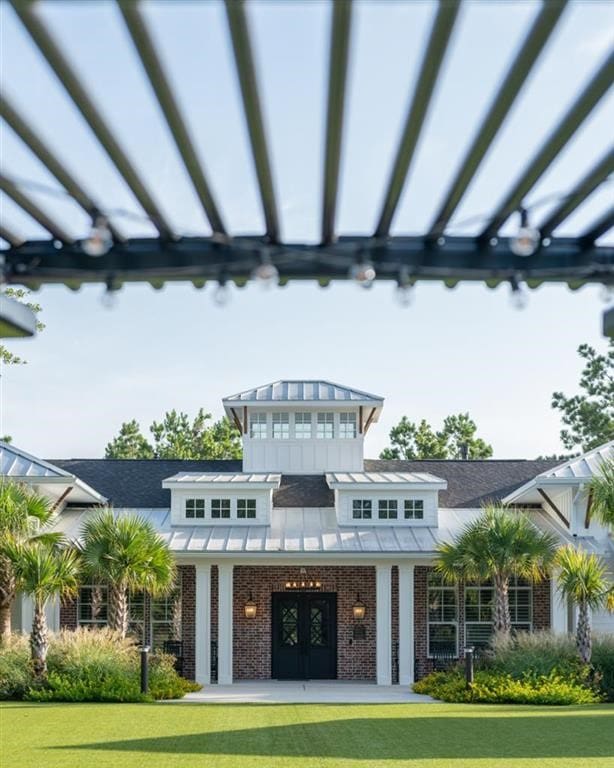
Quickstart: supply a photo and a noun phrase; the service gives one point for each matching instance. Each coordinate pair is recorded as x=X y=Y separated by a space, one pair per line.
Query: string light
x=526 y=241
x=404 y=291
x=100 y=239
x=362 y=272
x=266 y=273
x=519 y=296
x=221 y=294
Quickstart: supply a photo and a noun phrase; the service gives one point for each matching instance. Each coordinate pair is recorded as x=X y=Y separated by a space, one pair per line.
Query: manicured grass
x=302 y=736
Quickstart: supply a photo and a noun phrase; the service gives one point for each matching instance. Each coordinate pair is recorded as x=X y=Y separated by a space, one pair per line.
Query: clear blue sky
x=460 y=350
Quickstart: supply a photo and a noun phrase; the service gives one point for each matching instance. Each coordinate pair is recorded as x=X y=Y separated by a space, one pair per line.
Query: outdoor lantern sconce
x=251 y=609
x=359 y=609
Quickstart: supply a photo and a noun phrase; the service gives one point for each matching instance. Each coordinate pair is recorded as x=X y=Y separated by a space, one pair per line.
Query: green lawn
x=301 y=736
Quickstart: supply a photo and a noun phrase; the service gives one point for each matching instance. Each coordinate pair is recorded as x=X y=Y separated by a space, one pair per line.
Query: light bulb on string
x=221 y=294
x=100 y=239
x=404 y=291
x=526 y=241
x=362 y=272
x=519 y=296
x=266 y=273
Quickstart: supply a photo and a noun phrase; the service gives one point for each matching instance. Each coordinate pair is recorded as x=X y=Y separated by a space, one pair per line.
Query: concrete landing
x=305 y=692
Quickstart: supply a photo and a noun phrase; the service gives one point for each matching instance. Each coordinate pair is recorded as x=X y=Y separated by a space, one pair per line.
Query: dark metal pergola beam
x=38 y=148
x=563 y=132
x=596 y=176
x=246 y=72
x=152 y=65
x=337 y=77
x=10 y=237
x=32 y=209
x=69 y=79
x=200 y=259
x=599 y=228
x=441 y=31
x=533 y=45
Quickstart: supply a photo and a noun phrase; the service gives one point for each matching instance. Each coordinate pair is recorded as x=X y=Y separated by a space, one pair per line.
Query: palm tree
x=43 y=571
x=23 y=513
x=127 y=554
x=582 y=579
x=601 y=493
x=498 y=546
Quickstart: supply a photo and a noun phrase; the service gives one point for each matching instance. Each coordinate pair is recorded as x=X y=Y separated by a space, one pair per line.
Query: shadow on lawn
x=570 y=735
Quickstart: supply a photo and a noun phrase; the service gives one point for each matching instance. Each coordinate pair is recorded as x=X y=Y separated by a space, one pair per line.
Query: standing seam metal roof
x=308 y=390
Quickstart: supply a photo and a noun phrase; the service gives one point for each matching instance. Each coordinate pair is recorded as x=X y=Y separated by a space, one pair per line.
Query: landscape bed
x=305 y=736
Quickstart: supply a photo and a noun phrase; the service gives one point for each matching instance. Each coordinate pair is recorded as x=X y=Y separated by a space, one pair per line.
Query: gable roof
x=302 y=391
x=138 y=483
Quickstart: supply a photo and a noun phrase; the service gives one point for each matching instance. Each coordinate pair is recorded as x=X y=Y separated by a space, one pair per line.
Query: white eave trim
x=66 y=479
x=390 y=486
x=540 y=482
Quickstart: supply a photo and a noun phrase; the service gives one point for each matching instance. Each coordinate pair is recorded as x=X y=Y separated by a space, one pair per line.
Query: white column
x=558 y=608
x=202 y=650
x=383 y=622
x=224 y=622
x=406 y=624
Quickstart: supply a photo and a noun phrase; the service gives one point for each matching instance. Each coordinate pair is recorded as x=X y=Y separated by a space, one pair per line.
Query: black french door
x=304 y=636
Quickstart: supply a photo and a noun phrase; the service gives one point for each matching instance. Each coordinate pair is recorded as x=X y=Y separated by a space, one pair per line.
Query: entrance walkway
x=305 y=692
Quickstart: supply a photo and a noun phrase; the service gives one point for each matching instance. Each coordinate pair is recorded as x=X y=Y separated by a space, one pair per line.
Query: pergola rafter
x=433 y=255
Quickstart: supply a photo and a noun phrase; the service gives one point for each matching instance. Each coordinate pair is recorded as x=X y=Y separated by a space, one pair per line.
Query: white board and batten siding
x=344 y=505
x=303 y=457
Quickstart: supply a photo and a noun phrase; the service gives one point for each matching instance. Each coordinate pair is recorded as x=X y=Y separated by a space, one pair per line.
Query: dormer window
x=347 y=425
x=387 y=509
x=257 y=426
x=246 y=509
x=414 y=509
x=326 y=426
x=281 y=426
x=362 y=509
x=195 y=509
x=220 y=508
x=302 y=426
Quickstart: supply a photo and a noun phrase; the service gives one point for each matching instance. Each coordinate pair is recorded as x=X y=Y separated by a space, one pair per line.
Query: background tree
x=456 y=440
x=127 y=554
x=176 y=437
x=496 y=547
x=44 y=571
x=22 y=295
x=582 y=579
x=588 y=417
x=23 y=517
x=601 y=490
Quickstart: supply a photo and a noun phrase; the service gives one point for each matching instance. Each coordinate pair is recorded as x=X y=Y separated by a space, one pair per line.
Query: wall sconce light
x=359 y=609
x=250 y=608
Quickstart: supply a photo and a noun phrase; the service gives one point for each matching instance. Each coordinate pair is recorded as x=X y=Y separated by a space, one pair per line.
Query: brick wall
x=68 y=614
x=186 y=575
x=252 y=637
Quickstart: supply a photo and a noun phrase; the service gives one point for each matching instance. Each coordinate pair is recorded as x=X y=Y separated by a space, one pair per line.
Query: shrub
x=603 y=663
x=15 y=669
x=91 y=665
x=537 y=653
x=492 y=687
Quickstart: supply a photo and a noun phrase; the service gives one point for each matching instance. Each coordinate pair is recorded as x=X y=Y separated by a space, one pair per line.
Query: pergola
x=541 y=256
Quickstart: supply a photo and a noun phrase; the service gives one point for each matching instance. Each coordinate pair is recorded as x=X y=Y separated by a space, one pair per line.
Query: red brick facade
x=356 y=658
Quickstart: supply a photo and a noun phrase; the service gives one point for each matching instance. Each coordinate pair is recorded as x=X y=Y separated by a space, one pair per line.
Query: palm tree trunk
x=39 y=640
x=501 y=619
x=583 y=633
x=118 y=609
x=7 y=596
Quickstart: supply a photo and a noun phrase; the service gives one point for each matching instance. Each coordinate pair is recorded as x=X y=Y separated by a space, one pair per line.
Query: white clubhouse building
x=305 y=560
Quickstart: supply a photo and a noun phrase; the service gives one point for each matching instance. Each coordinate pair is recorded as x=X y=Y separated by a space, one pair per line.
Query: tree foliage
x=588 y=417
x=601 y=490
x=456 y=440
x=22 y=295
x=497 y=546
x=177 y=437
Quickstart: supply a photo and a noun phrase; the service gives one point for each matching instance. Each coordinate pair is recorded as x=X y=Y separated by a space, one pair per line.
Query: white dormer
x=303 y=427
x=386 y=498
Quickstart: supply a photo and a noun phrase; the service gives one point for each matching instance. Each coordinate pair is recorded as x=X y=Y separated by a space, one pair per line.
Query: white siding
x=344 y=499
x=264 y=500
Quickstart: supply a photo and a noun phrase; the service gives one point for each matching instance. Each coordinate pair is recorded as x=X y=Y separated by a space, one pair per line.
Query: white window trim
x=387 y=502
x=456 y=623
x=513 y=586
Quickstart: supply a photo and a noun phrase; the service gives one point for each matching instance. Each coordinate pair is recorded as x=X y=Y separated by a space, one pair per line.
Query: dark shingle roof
x=470 y=483
x=138 y=483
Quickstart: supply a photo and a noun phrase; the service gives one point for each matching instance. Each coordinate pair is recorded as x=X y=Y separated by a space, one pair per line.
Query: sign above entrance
x=303 y=584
